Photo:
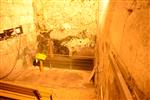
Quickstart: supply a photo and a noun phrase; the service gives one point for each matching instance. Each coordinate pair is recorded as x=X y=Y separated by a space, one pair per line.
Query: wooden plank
x=17 y=96
x=92 y=73
x=23 y=90
x=19 y=89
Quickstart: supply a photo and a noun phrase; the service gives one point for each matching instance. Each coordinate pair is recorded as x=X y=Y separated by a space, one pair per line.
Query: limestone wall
x=15 y=51
x=126 y=29
x=66 y=17
x=70 y=20
x=130 y=35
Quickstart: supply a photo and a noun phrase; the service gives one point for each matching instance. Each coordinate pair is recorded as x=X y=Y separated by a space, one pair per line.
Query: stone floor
x=66 y=84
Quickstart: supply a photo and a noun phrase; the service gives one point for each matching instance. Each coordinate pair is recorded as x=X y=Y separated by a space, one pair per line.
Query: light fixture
x=8 y=33
x=18 y=30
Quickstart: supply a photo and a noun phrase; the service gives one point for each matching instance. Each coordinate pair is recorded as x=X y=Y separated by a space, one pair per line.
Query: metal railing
x=120 y=79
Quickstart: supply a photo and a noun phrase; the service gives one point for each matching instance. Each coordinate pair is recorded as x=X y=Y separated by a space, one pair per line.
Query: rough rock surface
x=16 y=52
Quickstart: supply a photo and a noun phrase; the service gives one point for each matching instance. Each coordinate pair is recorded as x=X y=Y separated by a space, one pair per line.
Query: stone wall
x=126 y=31
x=16 y=52
x=70 y=20
x=66 y=17
x=131 y=39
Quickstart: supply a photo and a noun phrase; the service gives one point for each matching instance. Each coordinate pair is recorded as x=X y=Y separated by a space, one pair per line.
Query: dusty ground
x=66 y=84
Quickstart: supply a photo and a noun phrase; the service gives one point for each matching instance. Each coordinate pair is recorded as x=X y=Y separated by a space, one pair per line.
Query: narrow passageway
x=75 y=49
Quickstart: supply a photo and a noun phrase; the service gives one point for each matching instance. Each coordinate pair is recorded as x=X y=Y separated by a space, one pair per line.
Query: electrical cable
x=18 y=49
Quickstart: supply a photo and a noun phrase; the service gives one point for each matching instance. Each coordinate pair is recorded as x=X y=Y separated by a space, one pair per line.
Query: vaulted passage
x=74 y=50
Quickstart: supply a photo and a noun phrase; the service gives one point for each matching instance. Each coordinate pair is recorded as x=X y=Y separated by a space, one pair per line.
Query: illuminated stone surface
x=12 y=14
x=126 y=28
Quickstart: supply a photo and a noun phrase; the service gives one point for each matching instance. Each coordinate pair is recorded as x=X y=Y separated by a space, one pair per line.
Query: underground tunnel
x=74 y=50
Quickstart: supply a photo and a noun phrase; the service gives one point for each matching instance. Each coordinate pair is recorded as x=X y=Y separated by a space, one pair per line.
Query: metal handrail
x=120 y=78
